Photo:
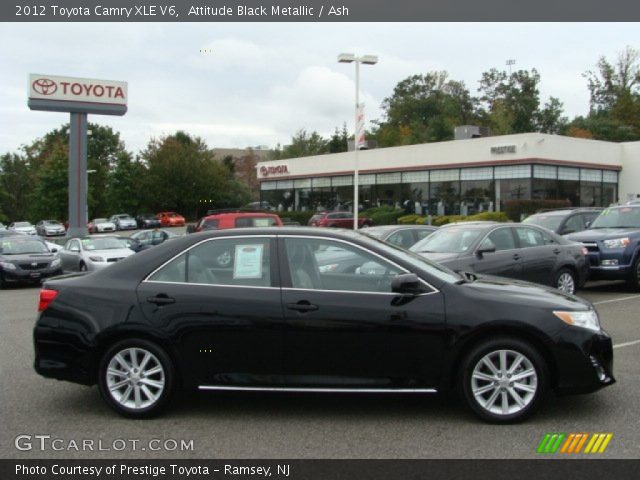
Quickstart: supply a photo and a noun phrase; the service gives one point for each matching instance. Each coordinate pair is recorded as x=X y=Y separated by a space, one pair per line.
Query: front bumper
x=584 y=364
x=30 y=276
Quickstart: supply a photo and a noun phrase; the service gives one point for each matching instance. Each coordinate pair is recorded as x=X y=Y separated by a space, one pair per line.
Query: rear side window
x=574 y=223
x=210 y=224
x=529 y=237
x=225 y=262
x=501 y=239
x=246 y=222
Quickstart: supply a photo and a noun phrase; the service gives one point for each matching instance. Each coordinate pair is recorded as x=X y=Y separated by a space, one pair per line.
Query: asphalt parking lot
x=307 y=425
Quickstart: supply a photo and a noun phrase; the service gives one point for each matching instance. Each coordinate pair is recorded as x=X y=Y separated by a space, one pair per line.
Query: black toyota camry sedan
x=173 y=318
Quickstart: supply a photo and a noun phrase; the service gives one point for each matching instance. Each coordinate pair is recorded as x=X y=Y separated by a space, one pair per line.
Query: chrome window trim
x=360 y=292
x=276 y=236
x=317 y=389
x=402 y=269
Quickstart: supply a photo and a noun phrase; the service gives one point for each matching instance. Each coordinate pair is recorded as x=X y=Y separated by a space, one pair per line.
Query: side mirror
x=482 y=250
x=406 y=284
x=587 y=224
x=54 y=250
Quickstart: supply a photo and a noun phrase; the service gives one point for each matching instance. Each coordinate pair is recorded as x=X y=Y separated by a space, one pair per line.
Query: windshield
x=22 y=224
x=103 y=243
x=376 y=232
x=100 y=220
x=448 y=240
x=551 y=222
x=20 y=246
x=621 y=217
x=124 y=217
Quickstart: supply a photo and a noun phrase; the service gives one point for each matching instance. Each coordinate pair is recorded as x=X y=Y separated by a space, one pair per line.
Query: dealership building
x=460 y=176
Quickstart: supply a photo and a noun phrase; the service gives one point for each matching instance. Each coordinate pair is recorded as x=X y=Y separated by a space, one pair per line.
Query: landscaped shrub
x=384 y=215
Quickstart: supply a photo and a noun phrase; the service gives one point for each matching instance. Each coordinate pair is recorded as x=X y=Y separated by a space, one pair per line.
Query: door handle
x=161 y=299
x=516 y=256
x=556 y=251
x=302 y=306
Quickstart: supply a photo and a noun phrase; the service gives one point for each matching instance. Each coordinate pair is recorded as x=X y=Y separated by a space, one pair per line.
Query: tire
x=82 y=267
x=565 y=280
x=129 y=391
x=490 y=394
x=633 y=281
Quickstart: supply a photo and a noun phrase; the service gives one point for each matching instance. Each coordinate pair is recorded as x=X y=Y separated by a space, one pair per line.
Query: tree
x=424 y=108
x=614 y=89
x=182 y=171
x=510 y=103
x=16 y=187
x=50 y=195
x=128 y=190
x=304 y=144
x=339 y=141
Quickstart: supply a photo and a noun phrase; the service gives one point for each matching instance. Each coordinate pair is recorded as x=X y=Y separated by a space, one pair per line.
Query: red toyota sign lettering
x=274 y=170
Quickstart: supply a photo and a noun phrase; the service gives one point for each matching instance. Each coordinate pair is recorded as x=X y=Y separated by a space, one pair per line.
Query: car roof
x=215 y=216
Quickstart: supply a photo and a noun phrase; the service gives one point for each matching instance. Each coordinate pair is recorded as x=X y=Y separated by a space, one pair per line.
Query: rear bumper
x=58 y=355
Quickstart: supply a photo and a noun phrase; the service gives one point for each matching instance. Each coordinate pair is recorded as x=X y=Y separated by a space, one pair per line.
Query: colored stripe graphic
x=573 y=443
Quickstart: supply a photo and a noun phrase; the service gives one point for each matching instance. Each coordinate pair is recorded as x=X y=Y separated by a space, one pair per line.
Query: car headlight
x=56 y=262
x=96 y=258
x=585 y=319
x=7 y=266
x=616 y=242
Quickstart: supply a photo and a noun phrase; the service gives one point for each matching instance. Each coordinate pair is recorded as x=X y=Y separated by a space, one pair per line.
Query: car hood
x=523 y=294
x=439 y=257
x=28 y=257
x=111 y=252
x=595 y=234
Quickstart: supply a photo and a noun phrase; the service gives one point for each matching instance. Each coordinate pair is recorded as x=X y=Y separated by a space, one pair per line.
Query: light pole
x=366 y=60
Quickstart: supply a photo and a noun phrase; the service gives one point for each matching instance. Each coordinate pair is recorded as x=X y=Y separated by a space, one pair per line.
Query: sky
x=249 y=84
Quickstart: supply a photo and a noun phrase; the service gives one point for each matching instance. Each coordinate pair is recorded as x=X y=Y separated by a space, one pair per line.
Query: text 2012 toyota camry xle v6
x=272 y=319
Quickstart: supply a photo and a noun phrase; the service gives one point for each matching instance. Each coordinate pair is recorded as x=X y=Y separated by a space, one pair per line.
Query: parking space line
x=627 y=344
x=621 y=299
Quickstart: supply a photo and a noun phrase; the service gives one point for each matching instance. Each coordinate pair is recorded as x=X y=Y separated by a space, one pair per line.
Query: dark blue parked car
x=613 y=242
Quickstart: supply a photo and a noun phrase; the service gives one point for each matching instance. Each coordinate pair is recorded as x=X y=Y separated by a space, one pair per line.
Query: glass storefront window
x=512 y=189
x=476 y=197
x=444 y=198
x=590 y=194
x=569 y=190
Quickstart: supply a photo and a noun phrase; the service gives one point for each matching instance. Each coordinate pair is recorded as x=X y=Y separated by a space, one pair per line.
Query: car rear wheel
x=503 y=380
x=136 y=378
x=565 y=281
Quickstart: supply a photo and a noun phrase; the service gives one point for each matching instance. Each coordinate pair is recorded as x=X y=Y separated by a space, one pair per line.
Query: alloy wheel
x=566 y=283
x=135 y=378
x=504 y=382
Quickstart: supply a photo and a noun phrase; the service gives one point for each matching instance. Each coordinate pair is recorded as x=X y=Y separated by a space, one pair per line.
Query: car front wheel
x=633 y=281
x=503 y=380
x=136 y=378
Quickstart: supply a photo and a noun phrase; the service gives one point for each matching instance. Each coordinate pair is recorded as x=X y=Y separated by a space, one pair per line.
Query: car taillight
x=46 y=297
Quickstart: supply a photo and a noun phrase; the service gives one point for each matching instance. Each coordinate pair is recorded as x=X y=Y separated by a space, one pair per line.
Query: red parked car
x=224 y=219
x=171 y=219
x=338 y=220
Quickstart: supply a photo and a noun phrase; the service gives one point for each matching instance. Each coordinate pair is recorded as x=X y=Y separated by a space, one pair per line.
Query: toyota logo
x=263 y=171
x=45 y=86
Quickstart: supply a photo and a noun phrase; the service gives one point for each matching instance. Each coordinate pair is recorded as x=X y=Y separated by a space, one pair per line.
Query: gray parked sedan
x=93 y=253
x=523 y=252
x=404 y=236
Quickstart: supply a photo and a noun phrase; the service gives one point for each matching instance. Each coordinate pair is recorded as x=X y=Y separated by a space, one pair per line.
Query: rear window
x=551 y=222
x=244 y=222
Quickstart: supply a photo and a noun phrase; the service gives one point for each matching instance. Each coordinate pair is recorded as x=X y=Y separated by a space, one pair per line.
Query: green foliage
x=410 y=219
x=50 y=195
x=489 y=217
x=424 y=108
x=15 y=187
x=384 y=215
x=516 y=209
x=297 y=216
x=304 y=144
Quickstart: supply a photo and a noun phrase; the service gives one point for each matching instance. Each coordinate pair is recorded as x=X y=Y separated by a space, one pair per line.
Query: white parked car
x=49 y=228
x=23 y=227
x=101 y=225
x=123 y=221
x=93 y=253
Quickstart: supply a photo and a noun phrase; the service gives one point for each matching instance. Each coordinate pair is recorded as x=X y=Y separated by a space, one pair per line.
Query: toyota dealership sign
x=52 y=92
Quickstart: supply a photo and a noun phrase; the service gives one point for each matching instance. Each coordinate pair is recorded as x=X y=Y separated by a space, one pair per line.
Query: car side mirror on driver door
x=482 y=250
x=406 y=284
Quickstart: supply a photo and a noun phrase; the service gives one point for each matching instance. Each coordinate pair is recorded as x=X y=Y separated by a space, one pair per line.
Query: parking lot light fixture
x=366 y=60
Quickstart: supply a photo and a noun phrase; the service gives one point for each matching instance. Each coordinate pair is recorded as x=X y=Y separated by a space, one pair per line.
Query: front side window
x=403 y=239
x=241 y=261
x=318 y=264
x=247 y=222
